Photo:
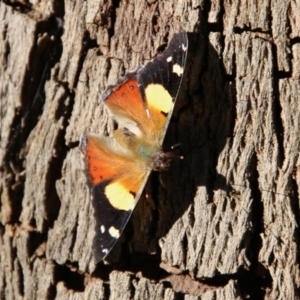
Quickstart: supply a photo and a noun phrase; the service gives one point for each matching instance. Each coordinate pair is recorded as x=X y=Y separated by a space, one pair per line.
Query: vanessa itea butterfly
x=118 y=167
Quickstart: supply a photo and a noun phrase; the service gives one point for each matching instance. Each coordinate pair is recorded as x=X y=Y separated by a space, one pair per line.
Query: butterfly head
x=161 y=160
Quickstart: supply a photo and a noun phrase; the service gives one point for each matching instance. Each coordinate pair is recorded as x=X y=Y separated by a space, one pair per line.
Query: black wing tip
x=179 y=38
x=106 y=218
x=182 y=33
x=101 y=249
x=98 y=254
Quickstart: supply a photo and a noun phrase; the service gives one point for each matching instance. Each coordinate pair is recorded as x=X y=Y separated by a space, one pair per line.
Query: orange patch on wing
x=104 y=164
x=126 y=101
x=101 y=163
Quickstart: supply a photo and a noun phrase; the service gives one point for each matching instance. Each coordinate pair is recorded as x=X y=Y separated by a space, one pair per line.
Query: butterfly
x=118 y=166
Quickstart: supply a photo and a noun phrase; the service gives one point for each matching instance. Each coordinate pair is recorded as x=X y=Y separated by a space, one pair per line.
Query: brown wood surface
x=221 y=224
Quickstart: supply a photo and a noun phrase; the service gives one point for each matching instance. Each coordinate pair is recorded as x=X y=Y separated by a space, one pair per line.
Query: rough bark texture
x=220 y=224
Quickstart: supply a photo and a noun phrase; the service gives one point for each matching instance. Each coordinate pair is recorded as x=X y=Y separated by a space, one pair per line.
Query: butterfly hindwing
x=117 y=167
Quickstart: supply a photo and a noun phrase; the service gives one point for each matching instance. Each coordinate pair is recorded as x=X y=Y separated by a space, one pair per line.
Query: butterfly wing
x=116 y=180
x=159 y=83
x=144 y=100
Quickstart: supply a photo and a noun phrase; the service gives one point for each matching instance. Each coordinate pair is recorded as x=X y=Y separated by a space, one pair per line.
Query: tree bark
x=223 y=222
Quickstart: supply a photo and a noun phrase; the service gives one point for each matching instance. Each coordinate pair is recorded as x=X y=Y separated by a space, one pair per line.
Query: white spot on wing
x=114 y=232
x=184 y=47
x=169 y=58
x=177 y=69
x=105 y=251
x=102 y=229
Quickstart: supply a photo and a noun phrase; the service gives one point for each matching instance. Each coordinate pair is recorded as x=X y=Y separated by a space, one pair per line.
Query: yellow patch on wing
x=177 y=69
x=159 y=98
x=119 y=197
x=114 y=232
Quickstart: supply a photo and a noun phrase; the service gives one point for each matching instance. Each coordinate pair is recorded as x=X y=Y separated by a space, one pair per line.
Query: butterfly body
x=118 y=166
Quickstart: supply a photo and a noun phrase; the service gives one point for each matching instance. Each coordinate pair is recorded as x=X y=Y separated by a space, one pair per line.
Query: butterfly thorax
x=157 y=159
x=146 y=151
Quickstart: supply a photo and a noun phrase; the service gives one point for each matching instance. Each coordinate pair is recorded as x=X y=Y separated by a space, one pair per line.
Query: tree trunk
x=223 y=222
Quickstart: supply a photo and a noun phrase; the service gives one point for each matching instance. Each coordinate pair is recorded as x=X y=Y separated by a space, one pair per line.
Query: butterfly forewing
x=114 y=190
x=144 y=100
x=159 y=82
